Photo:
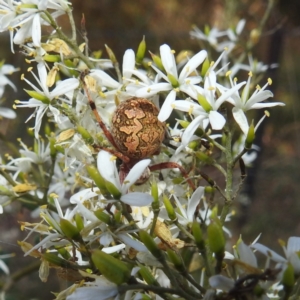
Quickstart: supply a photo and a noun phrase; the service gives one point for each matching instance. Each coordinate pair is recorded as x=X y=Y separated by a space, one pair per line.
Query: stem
x=183 y=229
x=229 y=179
x=70 y=42
x=156 y=289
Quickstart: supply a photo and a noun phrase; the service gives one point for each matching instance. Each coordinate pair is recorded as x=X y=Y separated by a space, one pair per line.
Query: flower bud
x=96 y=176
x=53 y=150
x=154 y=194
x=141 y=51
x=112 y=268
x=102 y=216
x=204 y=157
x=250 y=136
x=288 y=278
x=169 y=208
x=55 y=260
x=69 y=230
x=38 y=96
x=44 y=270
x=204 y=103
x=113 y=190
x=176 y=260
x=205 y=67
x=111 y=55
x=173 y=80
x=197 y=233
x=216 y=239
x=85 y=134
x=51 y=58
x=79 y=221
x=157 y=61
x=149 y=242
x=147 y=276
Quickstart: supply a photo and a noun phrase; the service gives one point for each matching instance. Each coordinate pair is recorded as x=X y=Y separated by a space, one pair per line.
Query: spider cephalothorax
x=136 y=130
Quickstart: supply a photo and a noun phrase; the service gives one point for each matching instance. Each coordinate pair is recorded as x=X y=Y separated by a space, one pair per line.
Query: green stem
x=229 y=178
x=70 y=42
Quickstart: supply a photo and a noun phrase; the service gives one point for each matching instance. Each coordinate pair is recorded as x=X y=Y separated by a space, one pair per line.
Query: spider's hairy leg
x=173 y=165
x=95 y=112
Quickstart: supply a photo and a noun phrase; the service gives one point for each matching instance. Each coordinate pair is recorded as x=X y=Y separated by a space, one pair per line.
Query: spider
x=136 y=134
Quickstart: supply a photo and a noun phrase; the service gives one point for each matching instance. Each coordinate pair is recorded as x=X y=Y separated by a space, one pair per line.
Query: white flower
x=110 y=87
x=291 y=254
x=6 y=70
x=48 y=96
x=210 y=105
x=174 y=82
x=100 y=289
x=107 y=168
x=245 y=102
x=186 y=215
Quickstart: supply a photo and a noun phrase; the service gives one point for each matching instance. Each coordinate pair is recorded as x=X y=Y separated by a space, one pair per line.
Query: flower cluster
x=125 y=222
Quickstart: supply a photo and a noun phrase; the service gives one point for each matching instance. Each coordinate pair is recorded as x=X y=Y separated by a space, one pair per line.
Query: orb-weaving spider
x=136 y=134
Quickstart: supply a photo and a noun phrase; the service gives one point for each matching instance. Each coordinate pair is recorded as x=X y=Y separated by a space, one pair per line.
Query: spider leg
x=102 y=125
x=173 y=165
x=96 y=114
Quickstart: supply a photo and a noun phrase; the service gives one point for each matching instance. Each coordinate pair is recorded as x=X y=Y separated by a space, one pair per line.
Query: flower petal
x=192 y=65
x=168 y=60
x=194 y=201
x=107 y=168
x=241 y=119
x=128 y=63
x=167 y=108
x=137 y=199
x=134 y=174
x=216 y=120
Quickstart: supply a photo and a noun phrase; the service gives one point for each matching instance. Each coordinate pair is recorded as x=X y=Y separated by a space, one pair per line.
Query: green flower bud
x=51 y=57
x=154 y=194
x=69 y=230
x=197 y=233
x=118 y=216
x=149 y=242
x=209 y=189
x=111 y=55
x=204 y=157
x=205 y=67
x=113 y=190
x=55 y=260
x=102 y=216
x=157 y=61
x=147 y=276
x=185 y=124
x=96 y=176
x=141 y=51
x=176 y=260
x=204 y=103
x=85 y=134
x=38 y=96
x=112 y=268
x=79 y=221
x=288 y=278
x=193 y=145
x=169 y=208
x=173 y=80
x=216 y=239
x=250 y=136
x=64 y=253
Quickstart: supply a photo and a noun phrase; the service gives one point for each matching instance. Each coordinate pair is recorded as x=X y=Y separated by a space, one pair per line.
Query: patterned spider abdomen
x=136 y=130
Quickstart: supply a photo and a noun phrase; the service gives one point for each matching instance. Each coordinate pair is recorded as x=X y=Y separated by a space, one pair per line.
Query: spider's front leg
x=105 y=130
x=173 y=165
